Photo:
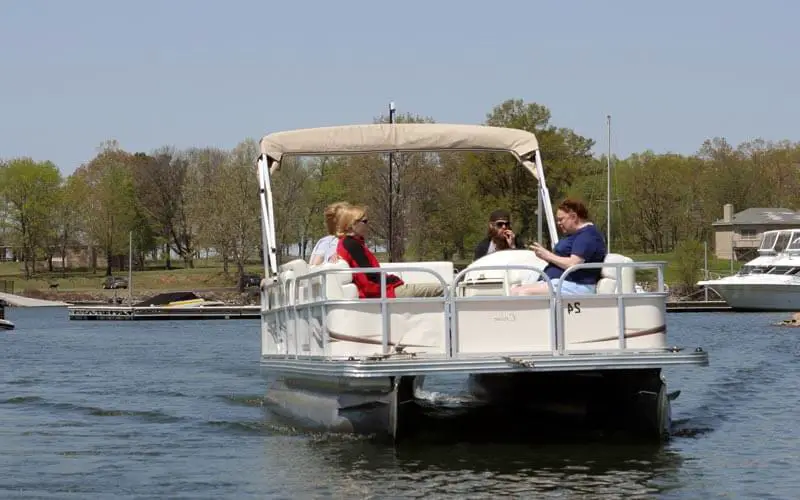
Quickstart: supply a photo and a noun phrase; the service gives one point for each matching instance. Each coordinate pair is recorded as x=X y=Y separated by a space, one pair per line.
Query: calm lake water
x=174 y=410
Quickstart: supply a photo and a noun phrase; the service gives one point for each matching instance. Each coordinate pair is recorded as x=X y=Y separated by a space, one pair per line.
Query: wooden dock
x=128 y=313
x=686 y=306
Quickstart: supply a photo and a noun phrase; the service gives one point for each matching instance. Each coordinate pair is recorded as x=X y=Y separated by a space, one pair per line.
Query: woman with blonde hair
x=351 y=230
x=325 y=249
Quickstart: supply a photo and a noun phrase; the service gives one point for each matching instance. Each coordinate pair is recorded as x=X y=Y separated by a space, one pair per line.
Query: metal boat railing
x=507 y=268
x=383 y=300
x=620 y=296
x=292 y=307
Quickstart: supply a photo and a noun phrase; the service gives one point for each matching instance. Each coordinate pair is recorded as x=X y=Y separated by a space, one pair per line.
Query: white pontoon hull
x=626 y=396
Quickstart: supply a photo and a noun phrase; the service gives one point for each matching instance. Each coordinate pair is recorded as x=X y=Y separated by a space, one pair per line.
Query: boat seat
x=356 y=327
x=338 y=286
x=442 y=268
x=522 y=257
x=608 y=276
x=298 y=266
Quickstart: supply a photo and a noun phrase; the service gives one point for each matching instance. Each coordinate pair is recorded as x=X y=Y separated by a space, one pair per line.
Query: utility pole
x=390 y=246
x=608 y=188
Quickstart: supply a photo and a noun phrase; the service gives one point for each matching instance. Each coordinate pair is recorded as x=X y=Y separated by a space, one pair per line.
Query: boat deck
x=405 y=364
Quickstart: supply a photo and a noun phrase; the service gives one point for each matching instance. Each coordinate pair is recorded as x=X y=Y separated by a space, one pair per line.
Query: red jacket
x=354 y=251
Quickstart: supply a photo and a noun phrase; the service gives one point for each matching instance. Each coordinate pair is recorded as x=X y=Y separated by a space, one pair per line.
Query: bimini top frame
x=386 y=138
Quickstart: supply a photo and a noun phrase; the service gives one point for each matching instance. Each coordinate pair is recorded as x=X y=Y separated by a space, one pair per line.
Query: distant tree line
x=206 y=199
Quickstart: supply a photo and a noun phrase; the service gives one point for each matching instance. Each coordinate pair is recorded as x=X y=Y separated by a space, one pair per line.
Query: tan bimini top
x=398 y=137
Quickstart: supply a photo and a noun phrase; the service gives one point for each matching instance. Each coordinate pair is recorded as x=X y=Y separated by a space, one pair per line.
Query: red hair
x=575 y=206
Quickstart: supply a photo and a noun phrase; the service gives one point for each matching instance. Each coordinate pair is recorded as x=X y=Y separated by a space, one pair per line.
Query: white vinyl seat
x=608 y=276
x=356 y=328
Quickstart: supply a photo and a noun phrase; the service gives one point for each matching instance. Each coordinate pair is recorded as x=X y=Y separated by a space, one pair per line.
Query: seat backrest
x=608 y=276
x=505 y=257
x=335 y=283
x=338 y=278
x=442 y=268
x=298 y=266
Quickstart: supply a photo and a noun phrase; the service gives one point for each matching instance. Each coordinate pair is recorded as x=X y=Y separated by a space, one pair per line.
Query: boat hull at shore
x=770 y=282
x=769 y=293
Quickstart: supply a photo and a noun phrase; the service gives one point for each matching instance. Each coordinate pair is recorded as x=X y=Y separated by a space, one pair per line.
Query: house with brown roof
x=739 y=234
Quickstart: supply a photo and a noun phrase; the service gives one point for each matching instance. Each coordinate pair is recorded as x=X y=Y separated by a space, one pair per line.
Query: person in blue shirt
x=582 y=243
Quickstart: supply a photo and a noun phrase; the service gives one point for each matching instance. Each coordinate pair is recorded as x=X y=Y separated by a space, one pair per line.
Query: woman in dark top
x=352 y=227
x=582 y=243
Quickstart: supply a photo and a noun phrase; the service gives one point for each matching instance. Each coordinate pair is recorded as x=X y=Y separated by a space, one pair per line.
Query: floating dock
x=698 y=306
x=12 y=300
x=122 y=313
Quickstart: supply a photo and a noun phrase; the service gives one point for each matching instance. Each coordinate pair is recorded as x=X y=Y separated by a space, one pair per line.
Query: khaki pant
x=419 y=290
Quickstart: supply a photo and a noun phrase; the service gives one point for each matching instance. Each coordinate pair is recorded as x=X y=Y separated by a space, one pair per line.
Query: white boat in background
x=340 y=363
x=770 y=282
x=4 y=323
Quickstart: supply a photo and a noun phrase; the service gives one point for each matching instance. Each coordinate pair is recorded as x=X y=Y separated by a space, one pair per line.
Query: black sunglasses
x=502 y=223
x=365 y=221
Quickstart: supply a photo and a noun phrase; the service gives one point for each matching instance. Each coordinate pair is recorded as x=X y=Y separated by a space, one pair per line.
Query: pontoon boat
x=340 y=363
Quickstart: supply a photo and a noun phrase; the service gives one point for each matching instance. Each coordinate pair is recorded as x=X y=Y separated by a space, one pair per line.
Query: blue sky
x=196 y=73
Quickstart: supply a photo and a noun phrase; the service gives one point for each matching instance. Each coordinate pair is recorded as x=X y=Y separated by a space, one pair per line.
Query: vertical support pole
x=705 y=268
x=539 y=215
x=267 y=221
x=621 y=305
x=273 y=249
x=385 y=315
x=548 y=207
x=390 y=246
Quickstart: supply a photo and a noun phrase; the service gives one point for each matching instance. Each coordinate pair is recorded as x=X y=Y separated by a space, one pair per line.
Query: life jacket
x=354 y=251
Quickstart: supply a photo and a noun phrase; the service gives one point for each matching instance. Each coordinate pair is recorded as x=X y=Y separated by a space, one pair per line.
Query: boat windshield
x=768 y=241
x=781 y=270
x=750 y=270
x=795 y=242
x=782 y=241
